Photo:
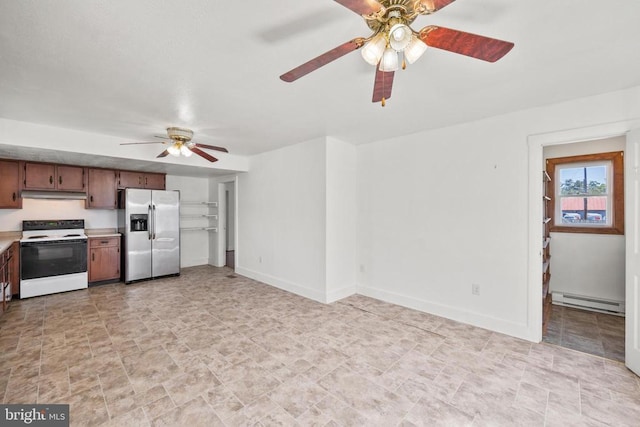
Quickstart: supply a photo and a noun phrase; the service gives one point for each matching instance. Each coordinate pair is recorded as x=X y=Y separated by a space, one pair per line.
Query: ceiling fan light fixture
x=174 y=150
x=400 y=36
x=414 y=49
x=389 y=60
x=373 y=49
x=185 y=151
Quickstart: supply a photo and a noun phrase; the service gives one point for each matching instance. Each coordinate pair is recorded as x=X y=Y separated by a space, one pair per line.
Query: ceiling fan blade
x=137 y=143
x=435 y=5
x=361 y=7
x=479 y=47
x=210 y=147
x=323 y=59
x=165 y=153
x=201 y=153
x=382 y=86
x=162 y=137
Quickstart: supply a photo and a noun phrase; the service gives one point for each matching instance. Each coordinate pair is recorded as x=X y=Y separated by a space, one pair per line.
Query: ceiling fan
x=393 y=37
x=180 y=143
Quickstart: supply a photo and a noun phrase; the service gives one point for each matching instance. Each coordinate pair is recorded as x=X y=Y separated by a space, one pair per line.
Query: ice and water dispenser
x=139 y=222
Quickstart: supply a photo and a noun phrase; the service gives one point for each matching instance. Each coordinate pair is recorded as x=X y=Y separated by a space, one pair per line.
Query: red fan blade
x=137 y=143
x=165 y=153
x=435 y=5
x=323 y=59
x=479 y=47
x=383 y=85
x=210 y=147
x=201 y=153
x=361 y=7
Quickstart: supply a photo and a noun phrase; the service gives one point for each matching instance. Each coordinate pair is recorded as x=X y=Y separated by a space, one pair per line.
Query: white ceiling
x=130 y=68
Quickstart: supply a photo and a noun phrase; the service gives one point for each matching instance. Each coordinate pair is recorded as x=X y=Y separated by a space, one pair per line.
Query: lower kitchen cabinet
x=104 y=259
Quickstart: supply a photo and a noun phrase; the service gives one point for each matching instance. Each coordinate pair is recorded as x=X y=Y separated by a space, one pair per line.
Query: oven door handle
x=53 y=242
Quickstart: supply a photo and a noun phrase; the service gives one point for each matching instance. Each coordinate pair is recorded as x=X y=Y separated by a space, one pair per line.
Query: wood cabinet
x=10 y=184
x=104 y=259
x=6 y=275
x=131 y=179
x=45 y=176
x=546 y=253
x=101 y=189
x=14 y=274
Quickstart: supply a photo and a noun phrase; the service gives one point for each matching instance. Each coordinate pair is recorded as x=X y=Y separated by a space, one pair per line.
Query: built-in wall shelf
x=213 y=229
x=194 y=203
x=198 y=216
x=546 y=252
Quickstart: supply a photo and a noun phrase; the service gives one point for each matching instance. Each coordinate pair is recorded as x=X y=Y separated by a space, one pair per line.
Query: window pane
x=584 y=210
x=588 y=180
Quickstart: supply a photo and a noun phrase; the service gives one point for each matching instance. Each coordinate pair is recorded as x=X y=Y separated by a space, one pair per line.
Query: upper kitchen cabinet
x=130 y=179
x=101 y=192
x=44 y=176
x=10 y=185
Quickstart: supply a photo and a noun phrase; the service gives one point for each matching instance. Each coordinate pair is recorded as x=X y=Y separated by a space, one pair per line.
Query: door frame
x=536 y=144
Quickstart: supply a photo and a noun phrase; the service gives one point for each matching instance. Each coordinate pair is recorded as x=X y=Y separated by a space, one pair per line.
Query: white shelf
x=214 y=229
x=193 y=203
x=194 y=213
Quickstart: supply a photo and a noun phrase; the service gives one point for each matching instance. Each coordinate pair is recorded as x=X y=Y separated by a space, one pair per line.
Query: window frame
x=617 y=195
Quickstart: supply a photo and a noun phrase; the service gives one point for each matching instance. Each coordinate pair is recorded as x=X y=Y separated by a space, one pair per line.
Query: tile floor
x=205 y=350
x=586 y=331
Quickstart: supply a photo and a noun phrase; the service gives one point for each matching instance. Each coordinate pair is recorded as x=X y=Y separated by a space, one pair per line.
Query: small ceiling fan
x=180 y=143
x=393 y=37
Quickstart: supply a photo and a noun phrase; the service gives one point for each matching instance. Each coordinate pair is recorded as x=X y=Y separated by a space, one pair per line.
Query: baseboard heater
x=589 y=303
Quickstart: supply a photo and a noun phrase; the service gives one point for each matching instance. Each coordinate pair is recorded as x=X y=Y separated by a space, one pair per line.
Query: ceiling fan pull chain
x=383 y=103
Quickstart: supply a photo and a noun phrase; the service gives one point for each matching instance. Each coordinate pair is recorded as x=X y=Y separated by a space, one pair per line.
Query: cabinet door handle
x=93 y=257
x=91 y=199
x=139 y=180
x=50 y=179
x=146 y=181
x=104 y=242
x=60 y=180
x=14 y=196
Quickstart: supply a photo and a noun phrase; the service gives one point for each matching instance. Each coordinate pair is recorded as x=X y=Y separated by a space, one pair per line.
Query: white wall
x=194 y=245
x=441 y=210
x=341 y=219
x=281 y=219
x=11 y=219
x=587 y=264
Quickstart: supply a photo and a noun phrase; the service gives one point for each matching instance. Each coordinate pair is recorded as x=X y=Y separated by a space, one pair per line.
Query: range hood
x=56 y=195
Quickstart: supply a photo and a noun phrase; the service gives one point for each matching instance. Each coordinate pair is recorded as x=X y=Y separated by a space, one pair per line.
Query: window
x=587 y=193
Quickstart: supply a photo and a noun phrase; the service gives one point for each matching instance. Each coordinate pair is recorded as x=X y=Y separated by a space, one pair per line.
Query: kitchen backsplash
x=11 y=219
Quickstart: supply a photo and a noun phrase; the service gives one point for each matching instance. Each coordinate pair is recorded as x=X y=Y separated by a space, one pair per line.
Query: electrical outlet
x=260 y=259
x=361 y=268
x=475 y=289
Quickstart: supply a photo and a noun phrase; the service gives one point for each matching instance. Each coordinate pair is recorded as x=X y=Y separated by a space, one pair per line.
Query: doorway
x=586 y=267
x=229 y=196
x=227 y=251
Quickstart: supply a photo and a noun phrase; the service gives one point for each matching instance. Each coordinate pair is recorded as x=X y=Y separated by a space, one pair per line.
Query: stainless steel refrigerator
x=149 y=221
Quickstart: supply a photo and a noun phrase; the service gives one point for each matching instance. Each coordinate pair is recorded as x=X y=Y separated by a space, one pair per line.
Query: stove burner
x=38 y=237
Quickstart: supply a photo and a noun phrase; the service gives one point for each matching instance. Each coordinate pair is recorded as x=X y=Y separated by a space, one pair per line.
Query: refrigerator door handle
x=154 y=222
x=150 y=224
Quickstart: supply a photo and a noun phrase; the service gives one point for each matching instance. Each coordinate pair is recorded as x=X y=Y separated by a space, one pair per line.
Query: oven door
x=52 y=258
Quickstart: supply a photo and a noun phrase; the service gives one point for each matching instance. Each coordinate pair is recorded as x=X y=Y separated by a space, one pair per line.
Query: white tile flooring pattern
x=205 y=349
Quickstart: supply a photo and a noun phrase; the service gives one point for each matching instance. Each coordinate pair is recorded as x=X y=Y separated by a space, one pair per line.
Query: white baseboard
x=283 y=284
x=517 y=330
x=194 y=262
x=338 y=294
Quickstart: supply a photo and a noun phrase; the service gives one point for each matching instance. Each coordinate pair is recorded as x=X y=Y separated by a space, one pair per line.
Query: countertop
x=101 y=232
x=7 y=238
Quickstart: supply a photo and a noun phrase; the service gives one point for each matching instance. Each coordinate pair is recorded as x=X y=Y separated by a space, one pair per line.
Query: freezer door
x=166 y=232
x=137 y=248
